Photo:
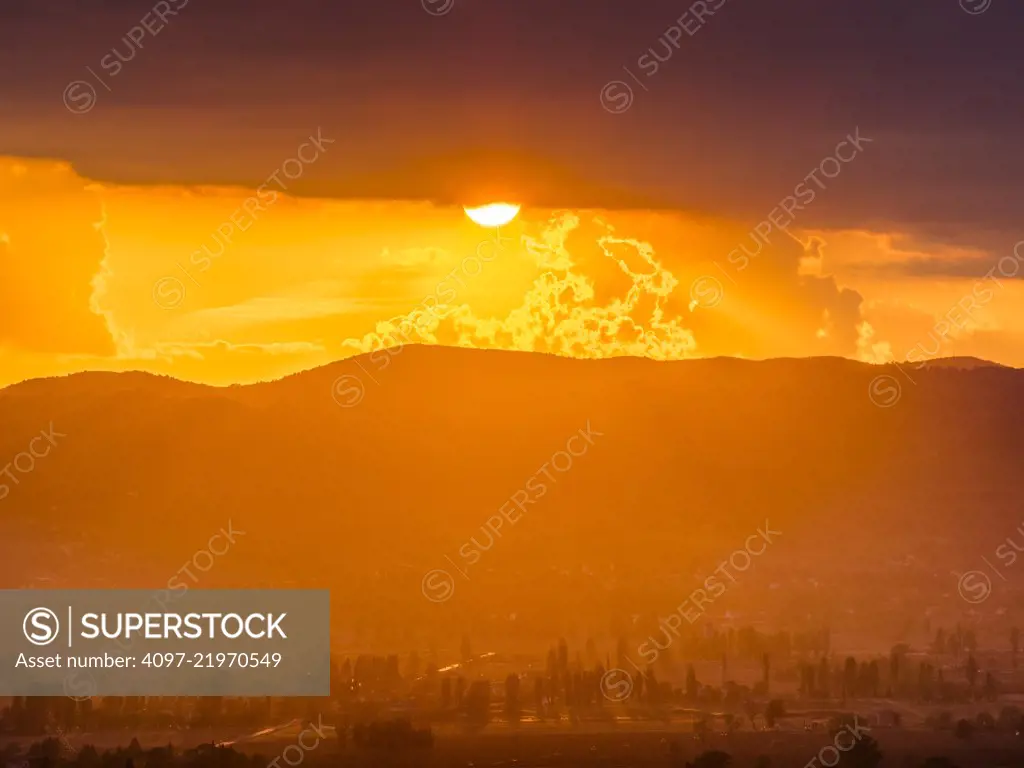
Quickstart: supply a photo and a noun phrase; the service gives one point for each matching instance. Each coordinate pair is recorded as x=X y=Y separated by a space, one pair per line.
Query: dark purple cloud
x=731 y=121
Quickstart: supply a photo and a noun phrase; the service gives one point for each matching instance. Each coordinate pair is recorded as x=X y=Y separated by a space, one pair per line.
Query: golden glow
x=163 y=279
x=492 y=214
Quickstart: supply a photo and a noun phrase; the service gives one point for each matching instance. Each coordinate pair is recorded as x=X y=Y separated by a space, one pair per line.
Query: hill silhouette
x=687 y=459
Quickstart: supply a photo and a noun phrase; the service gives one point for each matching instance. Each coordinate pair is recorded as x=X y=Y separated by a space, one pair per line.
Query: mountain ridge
x=687 y=460
x=953 y=362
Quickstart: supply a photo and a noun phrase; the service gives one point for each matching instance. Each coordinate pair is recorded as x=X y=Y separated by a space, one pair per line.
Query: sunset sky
x=132 y=149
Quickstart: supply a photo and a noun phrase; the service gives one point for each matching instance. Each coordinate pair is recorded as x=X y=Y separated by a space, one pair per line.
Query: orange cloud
x=51 y=248
x=311 y=280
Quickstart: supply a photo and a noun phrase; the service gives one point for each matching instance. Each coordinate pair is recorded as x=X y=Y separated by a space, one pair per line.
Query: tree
x=763 y=761
x=990 y=689
x=88 y=757
x=512 y=707
x=863 y=754
x=964 y=730
x=873 y=677
x=939 y=646
x=956 y=643
x=924 y=681
x=894 y=665
x=622 y=651
x=701 y=729
x=691 y=683
x=711 y=759
x=675 y=752
x=751 y=710
x=47 y=750
x=971 y=670
x=477 y=703
x=850 y=677
x=772 y=711
x=729 y=719
x=970 y=640
x=1009 y=719
x=413 y=666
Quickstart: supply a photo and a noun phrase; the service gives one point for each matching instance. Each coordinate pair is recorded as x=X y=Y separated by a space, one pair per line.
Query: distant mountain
x=964 y=363
x=882 y=483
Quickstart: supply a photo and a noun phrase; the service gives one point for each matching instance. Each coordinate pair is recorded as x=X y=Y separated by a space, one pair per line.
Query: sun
x=492 y=214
